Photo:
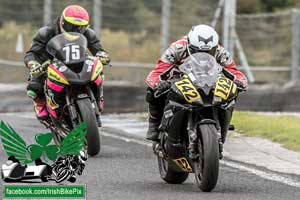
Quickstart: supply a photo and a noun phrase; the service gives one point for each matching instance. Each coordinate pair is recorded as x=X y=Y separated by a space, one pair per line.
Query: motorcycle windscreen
x=70 y=48
x=202 y=69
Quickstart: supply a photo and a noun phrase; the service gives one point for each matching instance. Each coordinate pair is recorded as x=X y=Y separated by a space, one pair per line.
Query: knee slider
x=31 y=94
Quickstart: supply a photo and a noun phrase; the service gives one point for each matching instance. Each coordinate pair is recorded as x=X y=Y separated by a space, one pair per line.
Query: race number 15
x=72 y=52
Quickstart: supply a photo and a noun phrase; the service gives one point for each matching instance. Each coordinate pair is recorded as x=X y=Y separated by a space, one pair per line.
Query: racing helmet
x=203 y=38
x=74 y=18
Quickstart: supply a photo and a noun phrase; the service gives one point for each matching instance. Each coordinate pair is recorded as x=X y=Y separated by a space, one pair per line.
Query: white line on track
x=265 y=175
x=127 y=139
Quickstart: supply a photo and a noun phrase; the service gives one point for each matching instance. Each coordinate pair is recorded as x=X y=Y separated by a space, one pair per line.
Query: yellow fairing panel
x=224 y=87
x=56 y=76
x=97 y=71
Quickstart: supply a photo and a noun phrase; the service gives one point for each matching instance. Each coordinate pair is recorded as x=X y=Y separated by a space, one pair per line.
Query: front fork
x=194 y=142
x=192 y=136
x=94 y=102
x=72 y=108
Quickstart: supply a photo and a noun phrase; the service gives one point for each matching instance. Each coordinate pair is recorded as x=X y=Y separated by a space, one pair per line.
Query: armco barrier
x=123 y=97
x=119 y=97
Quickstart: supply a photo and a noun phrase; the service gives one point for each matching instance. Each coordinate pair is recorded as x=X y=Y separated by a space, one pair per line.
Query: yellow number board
x=223 y=87
x=188 y=90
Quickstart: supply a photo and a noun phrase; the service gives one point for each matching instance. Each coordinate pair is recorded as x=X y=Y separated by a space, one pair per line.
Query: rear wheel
x=207 y=167
x=166 y=172
x=87 y=114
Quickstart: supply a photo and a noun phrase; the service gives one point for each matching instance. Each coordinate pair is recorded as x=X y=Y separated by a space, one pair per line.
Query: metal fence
x=271 y=44
x=135 y=32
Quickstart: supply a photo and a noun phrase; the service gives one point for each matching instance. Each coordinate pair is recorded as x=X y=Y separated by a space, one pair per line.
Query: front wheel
x=88 y=116
x=207 y=167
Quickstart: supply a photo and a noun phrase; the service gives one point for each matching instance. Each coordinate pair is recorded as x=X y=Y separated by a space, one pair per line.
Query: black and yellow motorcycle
x=189 y=138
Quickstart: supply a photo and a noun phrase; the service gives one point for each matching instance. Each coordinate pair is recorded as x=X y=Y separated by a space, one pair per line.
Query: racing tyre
x=168 y=174
x=207 y=167
x=88 y=116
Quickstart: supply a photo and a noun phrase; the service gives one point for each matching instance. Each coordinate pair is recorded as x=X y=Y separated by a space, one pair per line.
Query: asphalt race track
x=127 y=169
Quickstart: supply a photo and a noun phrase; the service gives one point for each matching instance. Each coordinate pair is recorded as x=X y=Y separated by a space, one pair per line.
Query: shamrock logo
x=15 y=146
x=42 y=148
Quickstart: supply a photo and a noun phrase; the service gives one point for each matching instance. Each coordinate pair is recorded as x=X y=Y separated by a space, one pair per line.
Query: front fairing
x=71 y=63
x=200 y=73
x=203 y=70
x=202 y=83
x=183 y=92
x=72 y=77
x=69 y=48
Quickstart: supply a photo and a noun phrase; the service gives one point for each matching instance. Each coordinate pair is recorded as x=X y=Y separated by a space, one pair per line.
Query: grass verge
x=283 y=129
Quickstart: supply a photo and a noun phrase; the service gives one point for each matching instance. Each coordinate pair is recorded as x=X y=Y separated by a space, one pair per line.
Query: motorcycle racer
x=74 y=18
x=201 y=38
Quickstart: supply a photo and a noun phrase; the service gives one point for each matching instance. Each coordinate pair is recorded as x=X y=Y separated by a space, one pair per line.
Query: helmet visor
x=192 y=49
x=68 y=27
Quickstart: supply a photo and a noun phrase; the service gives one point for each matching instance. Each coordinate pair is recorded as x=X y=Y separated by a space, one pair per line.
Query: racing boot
x=220 y=149
x=40 y=108
x=99 y=122
x=155 y=115
x=100 y=105
x=224 y=118
x=39 y=105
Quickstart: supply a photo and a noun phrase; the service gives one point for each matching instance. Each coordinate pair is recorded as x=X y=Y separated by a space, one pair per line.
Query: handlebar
x=240 y=89
x=157 y=93
x=108 y=65
x=45 y=64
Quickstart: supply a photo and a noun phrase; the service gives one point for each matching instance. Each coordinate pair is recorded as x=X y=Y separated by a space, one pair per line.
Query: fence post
x=295 y=46
x=217 y=14
x=231 y=41
x=243 y=58
x=165 y=24
x=47 y=12
x=226 y=23
x=97 y=10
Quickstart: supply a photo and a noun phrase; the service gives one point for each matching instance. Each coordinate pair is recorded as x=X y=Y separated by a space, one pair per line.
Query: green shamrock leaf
x=35 y=151
x=43 y=139
x=52 y=151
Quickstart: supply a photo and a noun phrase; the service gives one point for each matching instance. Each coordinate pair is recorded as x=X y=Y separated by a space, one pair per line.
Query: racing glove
x=223 y=57
x=162 y=87
x=104 y=57
x=35 y=68
x=241 y=84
